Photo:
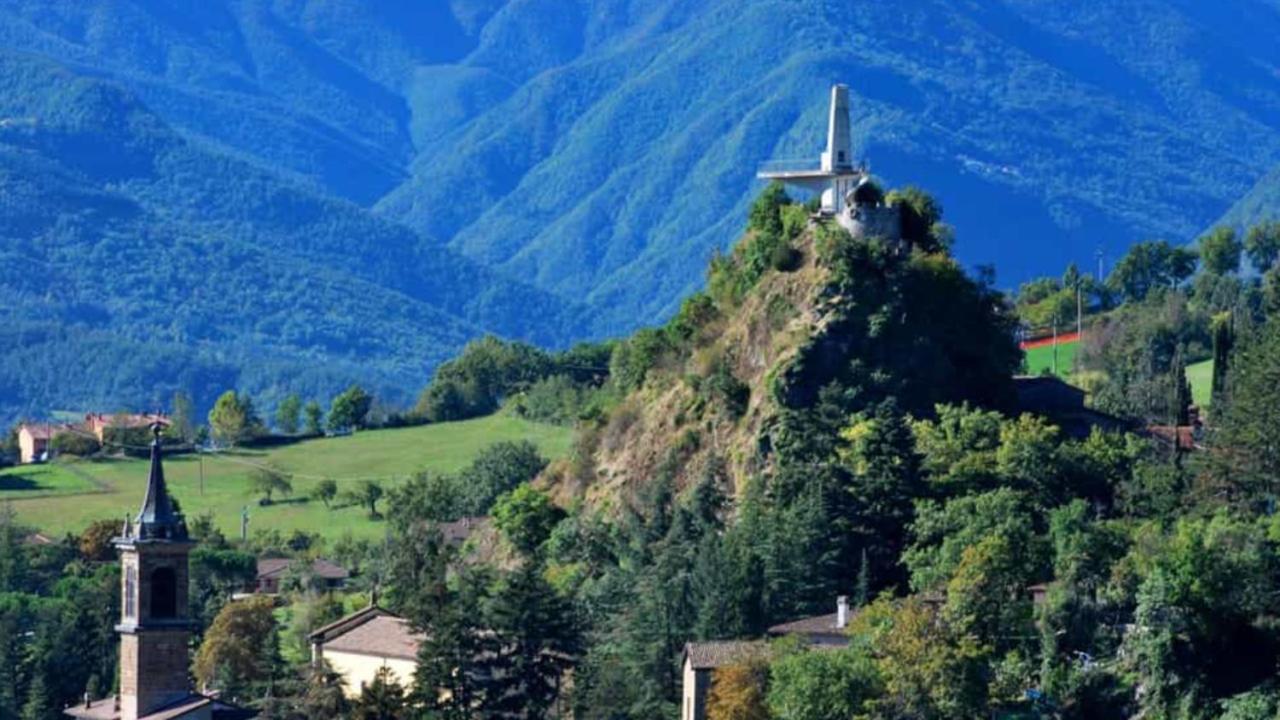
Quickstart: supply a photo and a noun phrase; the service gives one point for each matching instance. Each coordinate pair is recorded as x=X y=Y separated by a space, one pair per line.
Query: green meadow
x=58 y=499
x=1040 y=359
x=1200 y=375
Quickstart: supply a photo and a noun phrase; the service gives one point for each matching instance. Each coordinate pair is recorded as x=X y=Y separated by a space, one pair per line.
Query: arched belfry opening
x=164 y=594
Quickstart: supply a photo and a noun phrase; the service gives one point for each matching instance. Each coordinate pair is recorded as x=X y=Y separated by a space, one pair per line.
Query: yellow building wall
x=357 y=670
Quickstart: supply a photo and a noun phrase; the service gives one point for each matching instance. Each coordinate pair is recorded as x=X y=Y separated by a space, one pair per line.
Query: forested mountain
x=601 y=150
x=139 y=261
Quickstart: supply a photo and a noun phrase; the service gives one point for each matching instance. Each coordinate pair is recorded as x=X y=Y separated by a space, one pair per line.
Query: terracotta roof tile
x=719 y=653
x=380 y=636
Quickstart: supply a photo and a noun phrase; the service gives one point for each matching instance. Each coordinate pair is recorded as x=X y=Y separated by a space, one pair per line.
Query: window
x=164 y=593
x=131 y=592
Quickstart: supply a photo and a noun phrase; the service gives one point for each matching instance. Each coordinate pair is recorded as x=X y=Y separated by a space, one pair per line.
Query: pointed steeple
x=158 y=520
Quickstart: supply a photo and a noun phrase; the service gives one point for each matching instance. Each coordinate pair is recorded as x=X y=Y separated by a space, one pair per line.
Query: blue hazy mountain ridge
x=141 y=261
x=1046 y=130
x=425 y=153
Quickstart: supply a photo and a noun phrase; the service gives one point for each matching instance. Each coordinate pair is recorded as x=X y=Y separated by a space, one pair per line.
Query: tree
x=39 y=705
x=1223 y=329
x=536 y=642
x=1249 y=426
x=349 y=408
x=323 y=696
x=182 y=422
x=287 y=414
x=738 y=692
x=1149 y=265
x=313 y=418
x=367 y=493
x=526 y=517
x=1220 y=251
x=381 y=699
x=232 y=418
x=497 y=469
x=1262 y=244
x=325 y=491
x=822 y=684
x=266 y=481
x=74 y=443
x=232 y=655
x=96 y=540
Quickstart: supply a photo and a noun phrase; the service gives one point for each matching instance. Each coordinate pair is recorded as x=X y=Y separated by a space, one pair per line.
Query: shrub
x=69 y=443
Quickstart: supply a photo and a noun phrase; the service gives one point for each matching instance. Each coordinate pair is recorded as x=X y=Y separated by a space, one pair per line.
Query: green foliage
x=287 y=414
x=526 y=518
x=822 y=684
x=1220 y=251
x=233 y=419
x=1250 y=426
x=490 y=370
x=266 y=481
x=326 y=491
x=381 y=699
x=1150 y=265
x=1262 y=245
x=70 y=443
x=921 y=219
x=313 y=414
x=350 y=409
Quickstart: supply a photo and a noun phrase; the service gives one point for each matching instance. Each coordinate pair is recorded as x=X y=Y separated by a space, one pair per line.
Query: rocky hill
x=801 y=326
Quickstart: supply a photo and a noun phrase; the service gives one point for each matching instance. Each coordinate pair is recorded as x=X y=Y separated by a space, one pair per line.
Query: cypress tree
x=1223 y=341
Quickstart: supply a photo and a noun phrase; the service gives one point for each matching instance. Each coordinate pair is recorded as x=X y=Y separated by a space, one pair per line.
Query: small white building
x=360 y=644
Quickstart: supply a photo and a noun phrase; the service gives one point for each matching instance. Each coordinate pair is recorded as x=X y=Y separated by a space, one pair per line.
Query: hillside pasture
x=1040 y=358
x=30 y=481
x=389 y=456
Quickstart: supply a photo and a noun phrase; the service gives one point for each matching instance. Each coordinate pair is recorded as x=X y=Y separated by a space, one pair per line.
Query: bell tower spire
x=155 y=622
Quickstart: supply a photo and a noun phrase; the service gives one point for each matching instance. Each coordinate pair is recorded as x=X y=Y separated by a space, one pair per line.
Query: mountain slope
x=126 y=235
x=1105 y=123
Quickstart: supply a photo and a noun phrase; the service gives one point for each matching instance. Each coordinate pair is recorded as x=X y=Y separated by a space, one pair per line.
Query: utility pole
x=1079 y=308
x=244 y=524
x=1055 y=343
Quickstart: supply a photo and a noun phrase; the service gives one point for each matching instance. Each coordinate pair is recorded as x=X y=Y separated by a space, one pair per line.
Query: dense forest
x=831 y=416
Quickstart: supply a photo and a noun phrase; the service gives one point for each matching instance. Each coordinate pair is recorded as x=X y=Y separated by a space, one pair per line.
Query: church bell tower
x=155 y=621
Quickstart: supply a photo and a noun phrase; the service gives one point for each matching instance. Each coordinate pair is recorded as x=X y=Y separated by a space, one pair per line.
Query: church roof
x=158 y=519
x=381 y=636
x=192 y=706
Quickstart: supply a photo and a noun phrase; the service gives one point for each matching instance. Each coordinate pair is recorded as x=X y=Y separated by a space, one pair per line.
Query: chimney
x=842 y=612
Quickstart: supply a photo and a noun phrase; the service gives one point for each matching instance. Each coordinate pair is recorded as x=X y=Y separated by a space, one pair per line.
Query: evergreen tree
x=313 y=418
x=1223 y=340
x=323 y=696
x=537 y=642
x=287 y=414
x=39 y=705
x=381 y=699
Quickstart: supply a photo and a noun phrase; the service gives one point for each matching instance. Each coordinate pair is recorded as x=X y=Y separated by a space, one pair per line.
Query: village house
x=34 y=439
x=360 y=644
x=325 y=575
x=155 y=621
x=97 y=423
x=702 y=659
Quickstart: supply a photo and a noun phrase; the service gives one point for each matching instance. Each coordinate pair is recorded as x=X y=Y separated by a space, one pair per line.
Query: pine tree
x=537 y=642
x=381 y=699
x=39 y=705
x=323 y=696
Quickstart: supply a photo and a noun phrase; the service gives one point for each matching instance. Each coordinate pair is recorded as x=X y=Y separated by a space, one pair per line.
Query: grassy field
x=29 y=481
x=388 y=455
x=1041 y=359
x=1200 y=375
